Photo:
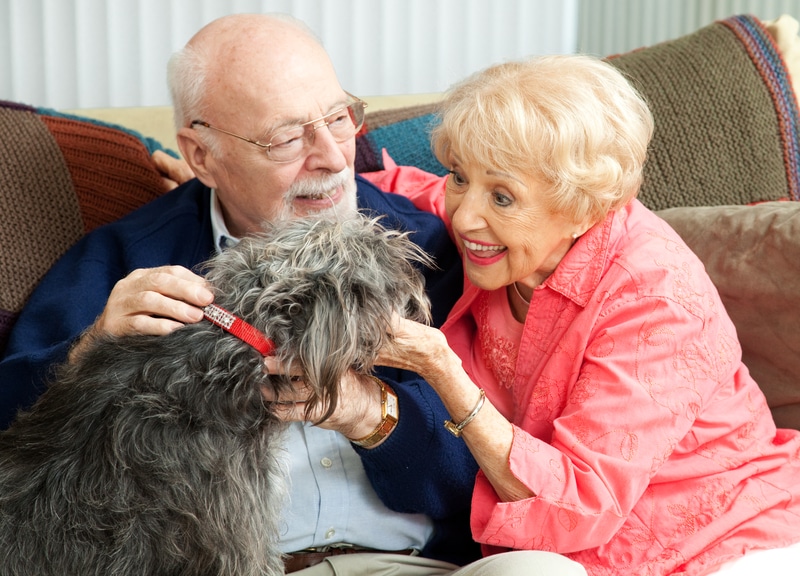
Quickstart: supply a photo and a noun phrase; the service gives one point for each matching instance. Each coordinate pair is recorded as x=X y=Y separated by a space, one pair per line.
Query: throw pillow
x=750 y=252
x=60 y=177
x=727 y=124
x=404 y=133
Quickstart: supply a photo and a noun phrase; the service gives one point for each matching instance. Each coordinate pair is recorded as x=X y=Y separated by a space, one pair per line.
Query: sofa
x=723 y=171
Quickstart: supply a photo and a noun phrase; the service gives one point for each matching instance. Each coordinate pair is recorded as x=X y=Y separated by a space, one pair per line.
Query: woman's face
x=503 y=227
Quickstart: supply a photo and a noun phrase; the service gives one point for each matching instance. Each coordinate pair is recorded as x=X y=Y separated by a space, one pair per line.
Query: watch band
x=390 y=413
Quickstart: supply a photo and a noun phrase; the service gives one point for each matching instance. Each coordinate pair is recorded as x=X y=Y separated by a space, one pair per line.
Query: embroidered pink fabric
x=648 y=445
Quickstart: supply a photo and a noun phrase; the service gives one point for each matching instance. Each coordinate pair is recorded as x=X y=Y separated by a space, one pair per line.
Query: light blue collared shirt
x=331 y=499
x=222 y=237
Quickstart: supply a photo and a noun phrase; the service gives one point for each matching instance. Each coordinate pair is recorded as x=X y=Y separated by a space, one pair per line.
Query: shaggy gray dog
x=158 y=455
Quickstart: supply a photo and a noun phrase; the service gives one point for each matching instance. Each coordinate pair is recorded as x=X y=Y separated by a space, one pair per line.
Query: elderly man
x=269 y=132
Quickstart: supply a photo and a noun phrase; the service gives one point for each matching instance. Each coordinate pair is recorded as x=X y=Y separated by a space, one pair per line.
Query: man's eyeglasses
x=290 y=144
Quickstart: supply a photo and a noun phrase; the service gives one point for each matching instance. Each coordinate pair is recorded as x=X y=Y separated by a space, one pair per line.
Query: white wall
x=617 y=26
x=99 y=53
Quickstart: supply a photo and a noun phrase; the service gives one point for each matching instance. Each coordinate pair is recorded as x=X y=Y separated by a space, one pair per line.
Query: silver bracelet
x=455 y=429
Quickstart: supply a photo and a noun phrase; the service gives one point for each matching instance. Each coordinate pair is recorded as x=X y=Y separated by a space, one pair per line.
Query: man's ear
x=196 y=154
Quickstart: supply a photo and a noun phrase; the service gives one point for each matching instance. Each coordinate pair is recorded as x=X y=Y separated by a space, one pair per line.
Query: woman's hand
x=174 y=171
x=489 y=435
x=416 y=347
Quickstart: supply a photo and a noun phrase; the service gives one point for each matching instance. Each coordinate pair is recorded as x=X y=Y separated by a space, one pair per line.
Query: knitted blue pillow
x=404 y=133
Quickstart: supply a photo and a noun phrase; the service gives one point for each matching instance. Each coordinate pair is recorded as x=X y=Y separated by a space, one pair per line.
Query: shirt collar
x=579 y=274
x=222 y=237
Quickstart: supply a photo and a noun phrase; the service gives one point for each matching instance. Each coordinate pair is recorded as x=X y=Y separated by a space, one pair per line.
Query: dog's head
x=323 y=292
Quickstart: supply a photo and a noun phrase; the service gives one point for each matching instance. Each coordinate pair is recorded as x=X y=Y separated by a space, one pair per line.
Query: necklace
x=521 y=297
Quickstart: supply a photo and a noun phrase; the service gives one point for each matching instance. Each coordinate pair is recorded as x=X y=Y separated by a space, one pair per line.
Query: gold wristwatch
x=390 y=413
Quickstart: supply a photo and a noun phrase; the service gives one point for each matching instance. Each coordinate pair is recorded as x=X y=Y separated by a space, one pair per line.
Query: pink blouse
x=648 y=445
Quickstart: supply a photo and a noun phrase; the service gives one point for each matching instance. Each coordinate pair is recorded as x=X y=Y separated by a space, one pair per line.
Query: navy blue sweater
x=420 y=468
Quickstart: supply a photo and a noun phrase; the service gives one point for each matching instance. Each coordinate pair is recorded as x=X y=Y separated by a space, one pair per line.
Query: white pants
x=775 y=562
x=517 y=563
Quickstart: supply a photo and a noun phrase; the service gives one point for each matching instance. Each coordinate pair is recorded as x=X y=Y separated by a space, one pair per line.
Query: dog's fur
x=158 y=455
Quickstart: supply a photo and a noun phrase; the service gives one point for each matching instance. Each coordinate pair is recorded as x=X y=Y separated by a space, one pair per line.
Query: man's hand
x=357 y=414
x=150 y=301
x=174 y=171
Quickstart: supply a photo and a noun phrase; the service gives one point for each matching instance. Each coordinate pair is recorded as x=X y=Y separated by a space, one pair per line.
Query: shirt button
x=326 y=462
x=330 y=534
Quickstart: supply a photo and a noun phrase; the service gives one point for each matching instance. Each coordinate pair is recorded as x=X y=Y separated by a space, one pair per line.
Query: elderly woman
x=590 y=365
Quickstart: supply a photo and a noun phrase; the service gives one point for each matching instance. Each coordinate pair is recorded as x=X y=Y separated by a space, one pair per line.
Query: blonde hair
x=570 y=121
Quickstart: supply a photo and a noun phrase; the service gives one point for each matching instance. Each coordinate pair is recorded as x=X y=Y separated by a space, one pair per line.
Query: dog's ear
x=367 y=276
x=328 y=343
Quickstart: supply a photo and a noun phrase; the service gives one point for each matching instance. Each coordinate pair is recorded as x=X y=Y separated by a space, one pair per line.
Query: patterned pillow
x=61 y=176
x=404 y=133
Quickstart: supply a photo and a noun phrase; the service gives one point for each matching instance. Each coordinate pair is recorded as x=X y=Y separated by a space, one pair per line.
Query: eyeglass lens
x=343 y=124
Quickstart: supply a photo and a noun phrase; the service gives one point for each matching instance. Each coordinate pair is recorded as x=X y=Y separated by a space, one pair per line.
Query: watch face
x=391 y=405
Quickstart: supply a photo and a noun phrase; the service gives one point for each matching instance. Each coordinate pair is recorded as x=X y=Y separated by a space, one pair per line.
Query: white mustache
x=322 y=186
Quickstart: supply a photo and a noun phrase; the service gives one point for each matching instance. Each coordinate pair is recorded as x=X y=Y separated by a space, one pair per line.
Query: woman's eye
x=501 y=199
x=457 y=179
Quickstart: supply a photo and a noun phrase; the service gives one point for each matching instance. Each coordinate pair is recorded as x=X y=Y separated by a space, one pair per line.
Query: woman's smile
x=483 y=254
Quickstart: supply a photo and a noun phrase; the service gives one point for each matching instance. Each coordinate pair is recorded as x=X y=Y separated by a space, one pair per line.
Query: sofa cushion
x=751 y=254
x=727 y=125
x=110 y=168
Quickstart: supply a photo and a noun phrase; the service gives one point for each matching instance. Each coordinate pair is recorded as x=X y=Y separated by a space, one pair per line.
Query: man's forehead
x=262 y=99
